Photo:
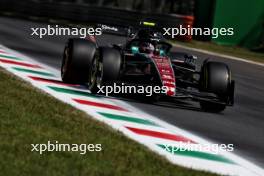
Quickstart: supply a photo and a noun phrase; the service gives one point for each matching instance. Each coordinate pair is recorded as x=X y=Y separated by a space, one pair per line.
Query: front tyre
x=215 y=78
x=107 y=65
x=77 y=61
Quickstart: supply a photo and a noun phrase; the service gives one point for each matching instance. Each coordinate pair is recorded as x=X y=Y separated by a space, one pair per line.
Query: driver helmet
x=146 y=47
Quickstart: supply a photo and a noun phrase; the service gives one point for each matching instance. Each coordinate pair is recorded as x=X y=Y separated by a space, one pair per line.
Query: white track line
x=219 y=55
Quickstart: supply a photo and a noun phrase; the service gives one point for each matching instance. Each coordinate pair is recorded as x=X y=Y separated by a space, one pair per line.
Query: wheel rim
x=100 y=74
x=65 y=62
x=93 y=72
x=96 y=74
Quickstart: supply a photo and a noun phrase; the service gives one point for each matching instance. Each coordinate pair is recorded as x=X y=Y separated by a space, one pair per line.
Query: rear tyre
x=77 y=61
x=215 y=78
x=108 y=64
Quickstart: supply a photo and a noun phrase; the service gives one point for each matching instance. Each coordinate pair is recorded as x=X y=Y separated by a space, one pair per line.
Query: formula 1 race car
x=146 y=59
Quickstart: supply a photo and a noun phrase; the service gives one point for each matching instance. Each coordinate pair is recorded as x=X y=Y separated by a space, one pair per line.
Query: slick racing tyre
x=106 y=68
x=77 y=60
x=215 y=78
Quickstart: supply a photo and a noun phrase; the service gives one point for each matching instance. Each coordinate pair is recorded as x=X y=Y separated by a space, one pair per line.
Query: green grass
x=228 y=50
x=28 y=116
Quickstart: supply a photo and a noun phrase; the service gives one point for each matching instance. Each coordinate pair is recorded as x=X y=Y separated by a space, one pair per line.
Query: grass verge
x=228 y=50
x=29 y=116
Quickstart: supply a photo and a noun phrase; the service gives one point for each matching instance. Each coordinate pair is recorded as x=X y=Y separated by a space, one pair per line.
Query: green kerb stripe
x=10 y=57
x=70 y=91
x=33 y=71
x=197 y=154
x=128 y=119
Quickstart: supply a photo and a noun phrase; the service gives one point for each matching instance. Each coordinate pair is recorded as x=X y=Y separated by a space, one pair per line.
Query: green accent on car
x=162 y=53
x=134 y=49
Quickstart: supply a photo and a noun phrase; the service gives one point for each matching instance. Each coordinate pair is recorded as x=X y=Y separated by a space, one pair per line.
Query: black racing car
x=146 y=59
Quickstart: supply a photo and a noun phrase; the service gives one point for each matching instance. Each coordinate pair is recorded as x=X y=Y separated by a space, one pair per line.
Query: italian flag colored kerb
x=136 y=125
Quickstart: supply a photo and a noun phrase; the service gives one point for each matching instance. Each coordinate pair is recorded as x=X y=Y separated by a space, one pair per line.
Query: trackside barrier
x=83 y=13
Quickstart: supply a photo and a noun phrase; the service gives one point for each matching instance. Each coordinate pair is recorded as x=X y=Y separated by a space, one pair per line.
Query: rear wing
x=128 y=30
x=117 y=30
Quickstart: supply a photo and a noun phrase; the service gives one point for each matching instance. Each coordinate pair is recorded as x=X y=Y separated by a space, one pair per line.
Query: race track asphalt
x=241 y=125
